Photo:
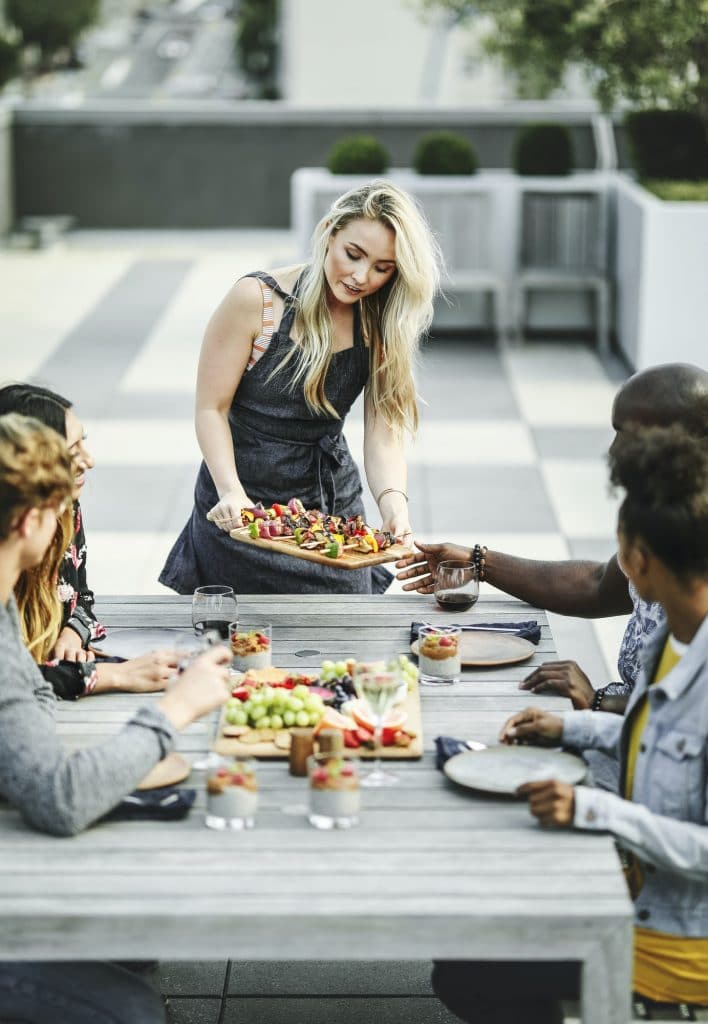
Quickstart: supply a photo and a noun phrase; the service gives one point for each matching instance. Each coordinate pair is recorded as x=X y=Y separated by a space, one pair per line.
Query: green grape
x=302 y=718
x=232 y=716
x=340 y=668
x=267 y=692
x=276 y=722
x=326 y=667
x=301 y=691
x=264 y=722
x=259 y=712
x=233 y=702
x=313 y=717
x=279 y=697
x=288 y=718
x=257 y=697
x=295 y=704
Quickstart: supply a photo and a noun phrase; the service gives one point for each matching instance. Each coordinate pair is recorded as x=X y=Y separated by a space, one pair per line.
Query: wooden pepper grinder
x=331 y=741
x=301 y=746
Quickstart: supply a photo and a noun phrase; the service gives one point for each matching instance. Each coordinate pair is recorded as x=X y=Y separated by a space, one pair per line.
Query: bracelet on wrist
x=598 y=699
x=479 y=561
x=390 y=490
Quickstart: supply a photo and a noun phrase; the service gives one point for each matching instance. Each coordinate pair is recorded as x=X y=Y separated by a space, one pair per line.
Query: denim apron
x=283 y=450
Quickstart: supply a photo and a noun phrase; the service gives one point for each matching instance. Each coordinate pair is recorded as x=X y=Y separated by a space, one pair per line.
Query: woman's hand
x=421 y=565
x=200 y=689
x=68 y=647
x=146 y=674
x=533 y=726
x=399 y=527
x=553 y=803
x=563 y=677
x=226 y=514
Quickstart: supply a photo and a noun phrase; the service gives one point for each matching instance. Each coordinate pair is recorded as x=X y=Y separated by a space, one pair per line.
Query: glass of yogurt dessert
x=439 y=656
x=334 y=791
x=251 y=646
x=232 y=794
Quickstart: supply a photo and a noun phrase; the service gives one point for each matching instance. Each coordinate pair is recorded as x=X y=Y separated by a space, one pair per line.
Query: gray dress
x=283 y=450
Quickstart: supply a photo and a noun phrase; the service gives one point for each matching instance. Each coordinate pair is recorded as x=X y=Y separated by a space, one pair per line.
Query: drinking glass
x=232 y=793
x=377 y=687
x=186 y=650
x=456 y=585
x=213 y=608
x=334 y=791
x=439 y=655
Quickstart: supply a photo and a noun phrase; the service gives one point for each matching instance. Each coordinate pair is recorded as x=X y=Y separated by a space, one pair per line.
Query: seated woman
x=54 y=790
x=660 y=817
x=67 y=638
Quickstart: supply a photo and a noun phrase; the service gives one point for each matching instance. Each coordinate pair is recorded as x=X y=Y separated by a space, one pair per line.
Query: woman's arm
x=225 y=352
x=387 y=473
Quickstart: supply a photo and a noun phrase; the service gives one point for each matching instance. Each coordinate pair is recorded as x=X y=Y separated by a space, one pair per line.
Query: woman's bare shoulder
x=287 y=276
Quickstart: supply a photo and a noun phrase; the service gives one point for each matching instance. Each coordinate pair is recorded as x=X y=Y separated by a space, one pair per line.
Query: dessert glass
x=439 y=655
x=232 y=794
x=335 y=797
x=251 y=646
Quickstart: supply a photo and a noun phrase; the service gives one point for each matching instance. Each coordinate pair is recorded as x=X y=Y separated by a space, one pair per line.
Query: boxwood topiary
x=359 y=154
x=444 y=153
x=668 y=144
x=543 y=148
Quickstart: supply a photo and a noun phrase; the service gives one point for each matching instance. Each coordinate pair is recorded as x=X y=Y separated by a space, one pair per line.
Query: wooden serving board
x=347 y=560
x=233 y=746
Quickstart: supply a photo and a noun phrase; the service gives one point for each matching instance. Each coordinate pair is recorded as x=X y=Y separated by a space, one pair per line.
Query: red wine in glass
x=455 y=600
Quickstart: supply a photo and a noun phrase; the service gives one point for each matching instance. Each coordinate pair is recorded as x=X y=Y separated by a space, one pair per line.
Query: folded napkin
x=165 y=804
x=446 y=747
x=528 y=630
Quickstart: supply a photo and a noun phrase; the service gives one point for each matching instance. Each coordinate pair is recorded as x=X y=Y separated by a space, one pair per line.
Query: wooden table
x=433 y=871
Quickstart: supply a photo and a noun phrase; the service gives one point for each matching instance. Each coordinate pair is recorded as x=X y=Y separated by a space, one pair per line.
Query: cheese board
x=348 y=559
x=244 y=741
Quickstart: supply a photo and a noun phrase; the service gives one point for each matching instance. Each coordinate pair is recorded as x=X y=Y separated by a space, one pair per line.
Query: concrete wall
x=6 y=197
x=213 y=165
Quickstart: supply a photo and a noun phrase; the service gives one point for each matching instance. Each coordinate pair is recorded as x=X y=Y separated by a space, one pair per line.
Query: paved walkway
x=510 y=454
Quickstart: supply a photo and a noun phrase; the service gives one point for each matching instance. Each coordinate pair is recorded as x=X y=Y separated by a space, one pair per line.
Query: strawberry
x=351 y=739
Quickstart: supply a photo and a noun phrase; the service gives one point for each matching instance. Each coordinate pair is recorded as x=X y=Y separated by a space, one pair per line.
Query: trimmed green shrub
x=668 y=144
x=679 y=191
x=543 y=148
x=444 y=153
x=359 y=154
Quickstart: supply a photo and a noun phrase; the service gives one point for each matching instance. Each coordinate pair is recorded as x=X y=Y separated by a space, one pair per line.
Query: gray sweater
x=54 y=790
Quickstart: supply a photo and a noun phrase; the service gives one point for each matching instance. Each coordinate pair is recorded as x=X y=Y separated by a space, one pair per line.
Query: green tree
x=257 y=44
x=650 y=52
x=51 y=25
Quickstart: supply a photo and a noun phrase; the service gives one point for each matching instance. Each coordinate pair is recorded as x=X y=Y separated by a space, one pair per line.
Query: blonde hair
x=35 y=468
x=393 y=318
x=40 y=610
x=35 y=472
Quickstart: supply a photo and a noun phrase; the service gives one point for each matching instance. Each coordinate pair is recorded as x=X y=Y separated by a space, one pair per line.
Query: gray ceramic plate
x=490 y=648
x=503 y=769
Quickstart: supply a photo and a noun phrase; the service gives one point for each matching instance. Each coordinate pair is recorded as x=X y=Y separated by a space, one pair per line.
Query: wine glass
x=187 y=651
x=456 y=585
x=213 y=608
x=377 y=687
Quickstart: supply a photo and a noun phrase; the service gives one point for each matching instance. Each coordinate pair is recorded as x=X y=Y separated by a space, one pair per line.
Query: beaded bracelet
x=598 y=699
x=390 y=490
x=479 y=560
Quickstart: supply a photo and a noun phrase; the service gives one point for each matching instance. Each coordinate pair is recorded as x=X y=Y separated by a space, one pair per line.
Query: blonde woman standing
x=284 y=358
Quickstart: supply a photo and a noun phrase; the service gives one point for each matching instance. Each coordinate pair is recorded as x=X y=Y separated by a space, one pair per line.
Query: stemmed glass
x=213 y=608
x=377 y=687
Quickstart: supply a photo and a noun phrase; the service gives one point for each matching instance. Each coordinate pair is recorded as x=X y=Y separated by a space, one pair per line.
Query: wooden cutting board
x=347 y=560
x=233 y=746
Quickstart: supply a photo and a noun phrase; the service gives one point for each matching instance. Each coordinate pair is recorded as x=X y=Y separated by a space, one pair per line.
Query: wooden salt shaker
x=301 y=746
x=331 y=741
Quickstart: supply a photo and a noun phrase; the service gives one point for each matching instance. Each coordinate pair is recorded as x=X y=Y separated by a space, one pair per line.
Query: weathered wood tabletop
x=432 y=872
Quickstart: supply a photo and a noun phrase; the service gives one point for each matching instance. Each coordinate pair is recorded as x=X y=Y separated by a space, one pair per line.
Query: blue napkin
x=167 y=803
x=446 y=747
x=528 y=630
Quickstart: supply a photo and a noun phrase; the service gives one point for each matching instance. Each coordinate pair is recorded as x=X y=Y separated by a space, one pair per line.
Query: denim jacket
x=664 y=824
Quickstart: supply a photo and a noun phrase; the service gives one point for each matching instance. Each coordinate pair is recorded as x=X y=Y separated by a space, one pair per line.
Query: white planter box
x=662 y=292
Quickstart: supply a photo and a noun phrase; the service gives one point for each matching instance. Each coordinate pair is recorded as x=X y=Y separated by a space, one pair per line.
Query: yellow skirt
x=670 y=968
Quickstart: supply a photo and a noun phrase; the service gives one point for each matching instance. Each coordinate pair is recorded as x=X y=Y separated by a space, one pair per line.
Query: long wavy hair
x=35 y=472
x=393 y=319
x=40 y=610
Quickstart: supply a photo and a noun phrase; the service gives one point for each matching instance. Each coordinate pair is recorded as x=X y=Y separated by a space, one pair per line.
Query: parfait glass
x=377 y=687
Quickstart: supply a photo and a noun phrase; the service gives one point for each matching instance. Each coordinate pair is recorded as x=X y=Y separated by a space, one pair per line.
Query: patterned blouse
x=646 y=617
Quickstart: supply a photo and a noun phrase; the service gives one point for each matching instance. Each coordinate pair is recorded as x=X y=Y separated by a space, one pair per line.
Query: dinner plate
x=503 y=769
x=485 y=647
